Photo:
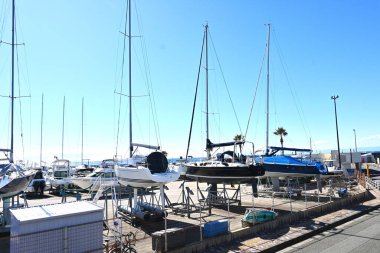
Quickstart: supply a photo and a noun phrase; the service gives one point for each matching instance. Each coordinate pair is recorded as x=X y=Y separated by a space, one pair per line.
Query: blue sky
x=74 y=49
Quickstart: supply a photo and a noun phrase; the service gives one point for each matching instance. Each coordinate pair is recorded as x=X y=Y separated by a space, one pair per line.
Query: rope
x=20 y=108
x=152 y=101
x=225 y=83
x=294 y=95
x=121 y=82
x=254 y=96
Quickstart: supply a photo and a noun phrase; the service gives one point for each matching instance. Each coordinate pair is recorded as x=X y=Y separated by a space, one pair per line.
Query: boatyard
x=185 y=225
x=217 y=181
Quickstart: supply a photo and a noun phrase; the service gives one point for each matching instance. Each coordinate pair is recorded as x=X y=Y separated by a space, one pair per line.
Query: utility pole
x=337 y=133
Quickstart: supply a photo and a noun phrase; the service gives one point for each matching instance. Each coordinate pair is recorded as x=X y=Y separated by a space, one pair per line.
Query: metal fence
x=71 y=239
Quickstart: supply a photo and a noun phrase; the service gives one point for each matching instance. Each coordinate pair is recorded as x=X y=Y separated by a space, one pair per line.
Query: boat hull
x=15 y=185
x=284 y=166
x=224 y=174
x=93 y=184
x=141 y=177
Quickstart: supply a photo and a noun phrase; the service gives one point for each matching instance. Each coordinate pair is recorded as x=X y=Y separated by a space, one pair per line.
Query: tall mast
x=130 y=79
x=82 y=130
x=63 y=125
x=42 y=119
x=207 y=126
x=267 y=130
x=12 y=92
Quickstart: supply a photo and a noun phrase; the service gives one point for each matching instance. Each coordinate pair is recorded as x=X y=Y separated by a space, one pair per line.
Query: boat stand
x=150 y=196
x=186 y=205
x=143 y=205
x=220 y=196
x=292 y=186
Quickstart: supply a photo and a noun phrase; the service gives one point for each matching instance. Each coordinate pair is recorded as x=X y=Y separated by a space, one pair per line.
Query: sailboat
x=280 y=166
x=277 y=166
x=13 y=178
x=105 y=174
x=227 y=167
x=139 y=170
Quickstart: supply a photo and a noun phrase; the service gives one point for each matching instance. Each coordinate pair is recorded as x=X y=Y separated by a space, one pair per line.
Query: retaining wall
x=311 y=212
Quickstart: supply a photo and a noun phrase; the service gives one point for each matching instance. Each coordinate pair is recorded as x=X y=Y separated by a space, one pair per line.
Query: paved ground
x=361 y=235
x=280 y=203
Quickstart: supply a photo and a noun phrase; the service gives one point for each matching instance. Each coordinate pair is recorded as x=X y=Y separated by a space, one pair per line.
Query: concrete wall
x=272 y=225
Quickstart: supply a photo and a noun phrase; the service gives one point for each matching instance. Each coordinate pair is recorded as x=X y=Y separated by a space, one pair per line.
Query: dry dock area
x=307 y=210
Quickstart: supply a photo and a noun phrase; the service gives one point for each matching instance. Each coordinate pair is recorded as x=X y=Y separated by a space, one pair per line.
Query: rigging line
x=25 y=61
x=148 y=79
x=225 y=83
x=150 y=111
x=257 y=86
x=121 y=80
x=195 y=98
x=294 y=95
x=19 y=93
x=5 y=17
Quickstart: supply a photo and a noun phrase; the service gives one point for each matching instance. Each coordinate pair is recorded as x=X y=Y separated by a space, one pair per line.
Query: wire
x=254 y=96
x=293 y=93
x=225 y=83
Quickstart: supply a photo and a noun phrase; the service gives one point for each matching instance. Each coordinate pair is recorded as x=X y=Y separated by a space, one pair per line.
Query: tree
x=238 y=138
x=281 y=132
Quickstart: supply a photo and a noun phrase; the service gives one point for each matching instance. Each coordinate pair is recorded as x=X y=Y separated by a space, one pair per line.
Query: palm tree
x=237 y=138
x=281 y=132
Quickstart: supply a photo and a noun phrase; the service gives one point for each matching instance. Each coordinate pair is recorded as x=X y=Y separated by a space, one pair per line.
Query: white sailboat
x=138 y=170
x=13 y=178
x=104 y=175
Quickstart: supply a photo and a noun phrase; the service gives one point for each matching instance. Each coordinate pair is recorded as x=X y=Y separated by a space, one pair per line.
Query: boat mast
x=267 y=130
x=63 y=125
x=207 y=126
x=130 y=79
x=12 y=92
x=82 y=130
x=42 y=119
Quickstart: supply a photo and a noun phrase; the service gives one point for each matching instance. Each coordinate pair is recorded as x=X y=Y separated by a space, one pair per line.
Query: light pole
x=337 y=133
x=356 y=147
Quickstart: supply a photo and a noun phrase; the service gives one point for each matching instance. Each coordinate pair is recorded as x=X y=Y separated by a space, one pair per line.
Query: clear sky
x=74 y=49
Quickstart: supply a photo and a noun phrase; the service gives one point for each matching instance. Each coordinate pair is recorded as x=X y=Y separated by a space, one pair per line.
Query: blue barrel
x=215 y=228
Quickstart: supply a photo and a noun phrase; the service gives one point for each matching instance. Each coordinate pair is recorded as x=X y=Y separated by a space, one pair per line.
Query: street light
x=356 y=147
x=337 y=133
